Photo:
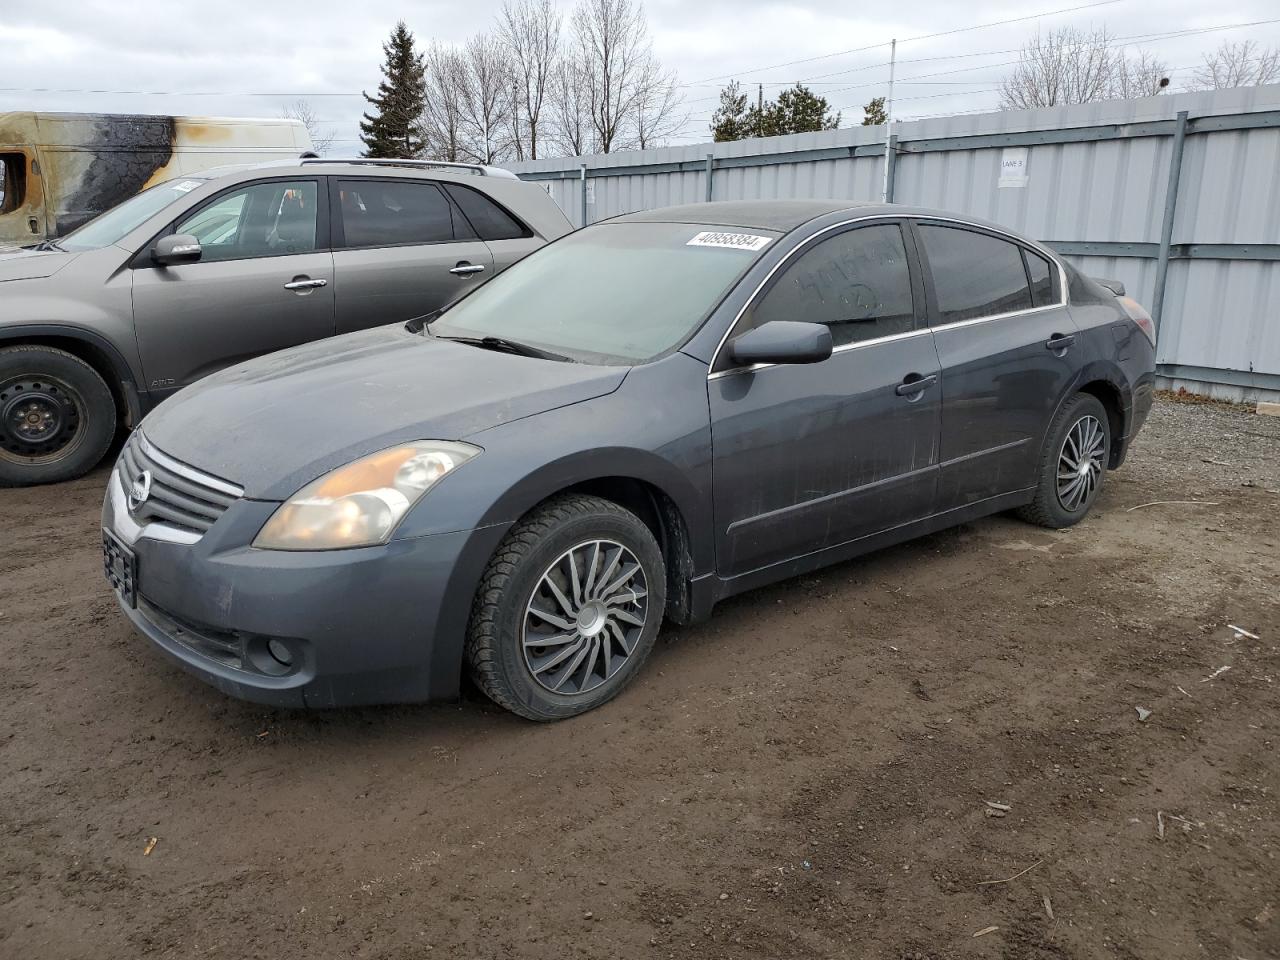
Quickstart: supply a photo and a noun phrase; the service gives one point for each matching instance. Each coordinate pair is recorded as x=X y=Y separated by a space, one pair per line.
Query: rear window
x=975 y=275
x=386 y=213
x=13 y=177
x=491 y=222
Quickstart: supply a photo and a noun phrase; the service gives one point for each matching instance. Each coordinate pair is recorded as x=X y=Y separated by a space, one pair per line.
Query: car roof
x=780 y=215
x=356 y=166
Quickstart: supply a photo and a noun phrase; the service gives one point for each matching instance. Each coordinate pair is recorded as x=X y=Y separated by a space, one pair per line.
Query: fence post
x=1170 y=209
x=891 y=166
x=711 y=160
x=583 y=188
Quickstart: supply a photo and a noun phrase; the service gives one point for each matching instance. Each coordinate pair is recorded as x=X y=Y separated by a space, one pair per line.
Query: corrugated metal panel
x=1108 y=187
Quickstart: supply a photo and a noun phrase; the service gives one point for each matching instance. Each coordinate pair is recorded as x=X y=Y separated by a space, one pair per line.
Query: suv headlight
x=359 y=505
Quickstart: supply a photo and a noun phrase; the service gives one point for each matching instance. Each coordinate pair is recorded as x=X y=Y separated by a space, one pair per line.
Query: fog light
x=280 y=653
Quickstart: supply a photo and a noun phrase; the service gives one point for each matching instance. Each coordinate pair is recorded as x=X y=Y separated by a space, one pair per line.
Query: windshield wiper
x=506 y=346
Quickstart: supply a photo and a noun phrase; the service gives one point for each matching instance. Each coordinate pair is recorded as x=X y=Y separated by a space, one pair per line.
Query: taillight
x=1138 y=314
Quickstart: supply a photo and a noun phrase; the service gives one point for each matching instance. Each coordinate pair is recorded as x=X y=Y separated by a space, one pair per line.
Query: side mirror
x=176 y=248
x=782 y=341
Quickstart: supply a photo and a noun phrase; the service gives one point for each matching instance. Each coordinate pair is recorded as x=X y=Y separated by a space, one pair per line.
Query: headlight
x=360 y=504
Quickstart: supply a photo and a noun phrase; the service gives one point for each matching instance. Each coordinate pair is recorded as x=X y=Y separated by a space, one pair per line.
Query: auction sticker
x=185 y=186
x=733 y=241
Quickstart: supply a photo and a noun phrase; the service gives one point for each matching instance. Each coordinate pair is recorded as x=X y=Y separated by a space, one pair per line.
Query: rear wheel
x=57 y=416
x=1073 y=464
x=568 y=609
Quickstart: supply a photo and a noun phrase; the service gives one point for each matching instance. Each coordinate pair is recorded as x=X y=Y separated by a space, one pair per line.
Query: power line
x=923 y=36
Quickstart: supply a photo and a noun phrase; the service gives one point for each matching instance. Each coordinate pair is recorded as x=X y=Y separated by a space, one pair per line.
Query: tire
x=57 y=416
x=1065 y=490
x=533 y=561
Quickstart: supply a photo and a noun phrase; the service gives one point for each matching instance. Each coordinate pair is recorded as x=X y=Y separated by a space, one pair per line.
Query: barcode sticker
x=733 y=241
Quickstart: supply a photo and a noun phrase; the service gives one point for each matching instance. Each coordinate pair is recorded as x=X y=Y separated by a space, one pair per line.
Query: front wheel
x=57 y=416
x=568 y=609
x=1073 y=464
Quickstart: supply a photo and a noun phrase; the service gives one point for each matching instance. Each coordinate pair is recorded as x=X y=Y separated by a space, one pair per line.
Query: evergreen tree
x=798 y=110
x=391 y=131
x=874 y=113
x=732 y=120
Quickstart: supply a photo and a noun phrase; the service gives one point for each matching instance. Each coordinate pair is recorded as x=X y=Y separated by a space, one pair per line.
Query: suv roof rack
x=479 y=169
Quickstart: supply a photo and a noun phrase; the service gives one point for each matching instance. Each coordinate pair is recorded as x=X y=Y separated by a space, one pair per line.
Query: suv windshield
x=612 y=293
x=112 y=226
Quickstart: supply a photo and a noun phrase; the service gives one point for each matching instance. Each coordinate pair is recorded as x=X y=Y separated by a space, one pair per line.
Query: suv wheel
x=1073 y=465
x=568 y=609
x=57 y=416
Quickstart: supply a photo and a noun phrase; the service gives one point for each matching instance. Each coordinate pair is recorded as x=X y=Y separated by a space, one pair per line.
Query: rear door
x=402 y=248
x=263 y=283
x=1006 y=343
x=815 y=455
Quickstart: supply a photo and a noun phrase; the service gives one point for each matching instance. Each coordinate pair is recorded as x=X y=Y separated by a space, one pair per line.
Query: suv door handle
x=914 y=384
x=464 y=269
x=305 y=283
x=1059 y=342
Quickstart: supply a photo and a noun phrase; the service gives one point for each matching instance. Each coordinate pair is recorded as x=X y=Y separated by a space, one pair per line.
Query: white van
x=59 y=170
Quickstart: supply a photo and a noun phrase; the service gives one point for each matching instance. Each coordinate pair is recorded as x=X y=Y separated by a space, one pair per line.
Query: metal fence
x=1176 y=196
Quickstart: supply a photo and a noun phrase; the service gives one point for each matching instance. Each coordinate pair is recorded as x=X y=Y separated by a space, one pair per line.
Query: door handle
x=304 y=283
x=1059 y=342
x=914 y=384
x=464 y=269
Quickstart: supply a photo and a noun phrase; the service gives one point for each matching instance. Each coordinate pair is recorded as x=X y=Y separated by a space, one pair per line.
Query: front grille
x=179 y=496
x=225 y=646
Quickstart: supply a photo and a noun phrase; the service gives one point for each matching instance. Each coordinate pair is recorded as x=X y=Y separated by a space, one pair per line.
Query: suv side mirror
x=176 y=248
x=782 y=341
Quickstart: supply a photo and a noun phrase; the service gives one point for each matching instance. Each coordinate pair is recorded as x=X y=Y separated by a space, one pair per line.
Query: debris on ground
x=1217 y=673
x=998 y=806
x=1143 y=714
x=1048 y=907
x=1160 y=503
x=1242 y=632
x=151 y=845
x=984 y=931
x=988 y=883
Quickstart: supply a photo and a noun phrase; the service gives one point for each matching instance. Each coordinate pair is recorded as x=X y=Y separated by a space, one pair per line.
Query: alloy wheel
x=585 y=617
x=1080 y=463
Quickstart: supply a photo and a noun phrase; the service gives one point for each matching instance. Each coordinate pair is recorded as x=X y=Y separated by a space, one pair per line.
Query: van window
x=13 y=180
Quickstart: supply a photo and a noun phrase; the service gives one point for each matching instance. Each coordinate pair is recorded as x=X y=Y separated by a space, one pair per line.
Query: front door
x=264 y=282
x=1006 y=344
x=401 y=249
x=812 y=456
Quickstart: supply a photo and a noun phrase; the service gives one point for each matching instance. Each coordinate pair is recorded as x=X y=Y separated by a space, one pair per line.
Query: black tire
x=57 y=416
x=543 y=545
x=1057 y=502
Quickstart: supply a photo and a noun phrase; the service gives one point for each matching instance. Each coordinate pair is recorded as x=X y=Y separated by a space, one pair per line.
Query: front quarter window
x=612 y=293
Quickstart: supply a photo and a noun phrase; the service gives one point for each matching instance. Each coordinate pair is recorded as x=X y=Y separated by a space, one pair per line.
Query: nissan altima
x=633 y=423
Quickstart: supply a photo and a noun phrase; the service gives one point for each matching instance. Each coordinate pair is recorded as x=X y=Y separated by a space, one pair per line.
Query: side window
x=1041 y=274
x=262 y=220
x=974 y=275
x=489 y=219
x=13 y=176
x=384 y=213
x=856 y=282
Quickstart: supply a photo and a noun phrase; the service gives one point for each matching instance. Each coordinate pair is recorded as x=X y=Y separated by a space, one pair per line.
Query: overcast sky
x=252 y=57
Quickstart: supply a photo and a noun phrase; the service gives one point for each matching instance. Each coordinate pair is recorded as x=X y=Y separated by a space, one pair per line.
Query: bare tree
x=1245 y=64
x=613 y=47
x=486 y=99
x=657 y=107
x=571 y=106
x=1145 y=75
x=530 y=32
x=443 y=125
x=1059 y=67
x=321 y=137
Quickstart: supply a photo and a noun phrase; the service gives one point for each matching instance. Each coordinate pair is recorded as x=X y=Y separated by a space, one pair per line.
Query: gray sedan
x=631 y=424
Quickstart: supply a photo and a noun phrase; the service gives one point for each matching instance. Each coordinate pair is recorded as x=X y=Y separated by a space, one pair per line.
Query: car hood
x=276 y=423
x=19 y=263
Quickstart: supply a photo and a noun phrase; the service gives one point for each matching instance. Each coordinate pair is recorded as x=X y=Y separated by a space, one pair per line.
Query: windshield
x=112 y=226
x=612 y=293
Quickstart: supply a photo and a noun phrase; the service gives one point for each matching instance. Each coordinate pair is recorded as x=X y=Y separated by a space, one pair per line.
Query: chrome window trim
x=913 y=218
x=190 y=473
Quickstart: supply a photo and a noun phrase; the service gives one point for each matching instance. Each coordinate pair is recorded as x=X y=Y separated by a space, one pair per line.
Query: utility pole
x=760 y=111
x=888 y=120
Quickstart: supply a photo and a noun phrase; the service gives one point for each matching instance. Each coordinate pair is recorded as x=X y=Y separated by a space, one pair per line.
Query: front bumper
x=369 y=625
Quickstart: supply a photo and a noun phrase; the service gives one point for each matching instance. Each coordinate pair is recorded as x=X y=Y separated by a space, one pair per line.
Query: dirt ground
x=806 y=775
